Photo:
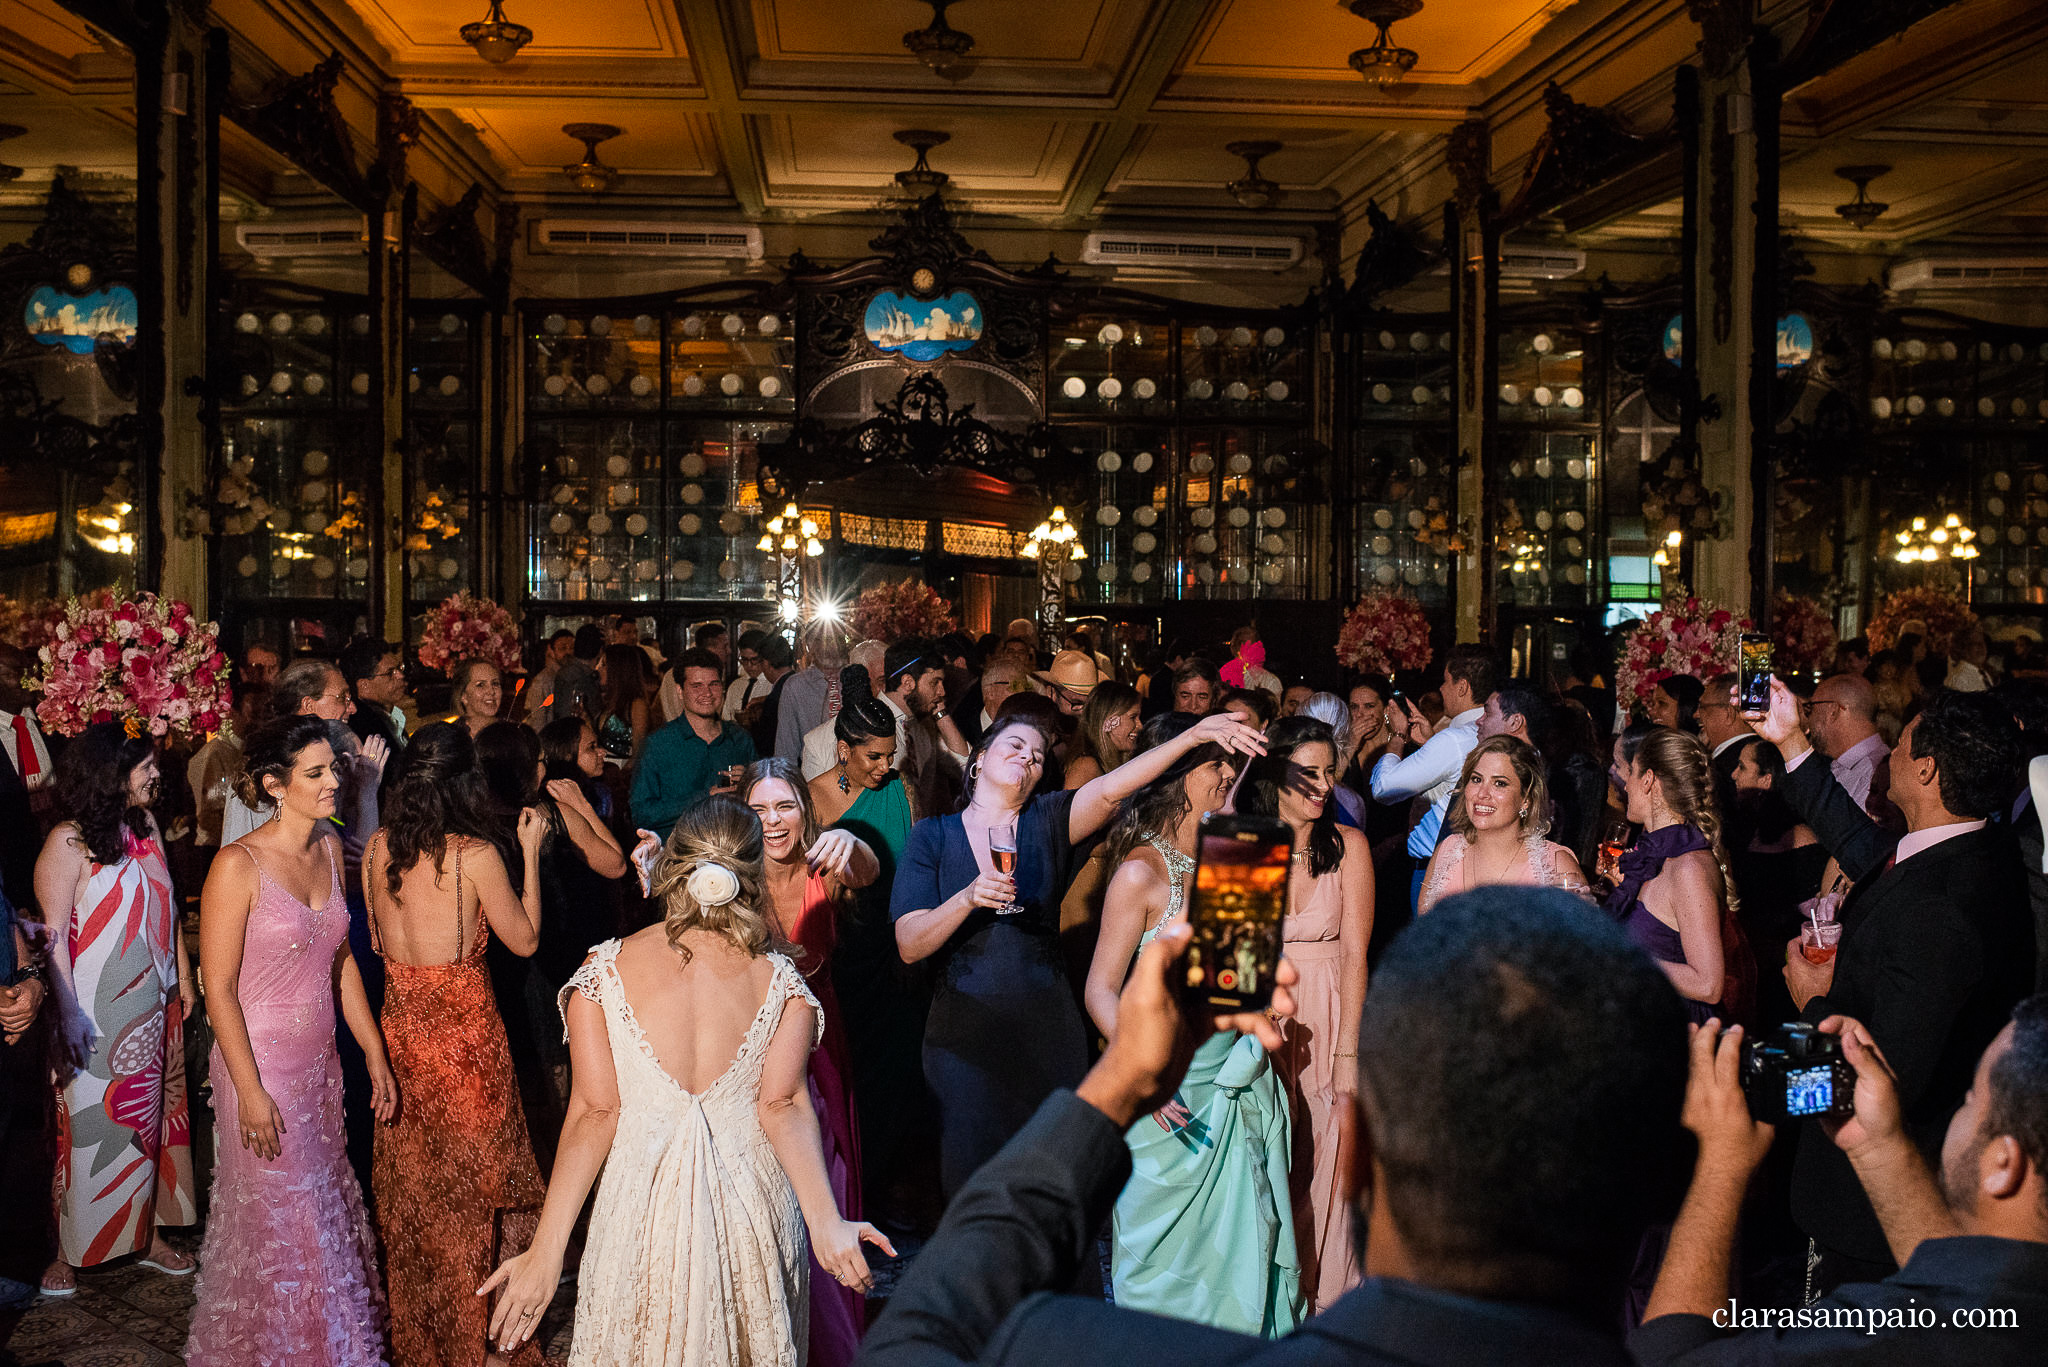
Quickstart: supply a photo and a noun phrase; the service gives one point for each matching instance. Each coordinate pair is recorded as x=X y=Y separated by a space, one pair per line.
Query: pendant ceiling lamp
x=496 y=39
x=1383 y=65
x=939 y=45
x=591 y=175
x=1252 y=190
x=921 y=179
x=1863 y=210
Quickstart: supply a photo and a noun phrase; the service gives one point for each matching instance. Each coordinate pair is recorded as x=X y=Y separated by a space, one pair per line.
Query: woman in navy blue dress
x=1004 y=1031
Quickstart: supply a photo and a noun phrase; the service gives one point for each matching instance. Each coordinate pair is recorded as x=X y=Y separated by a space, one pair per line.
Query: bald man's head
x=1844 y=713
x=1004 y=676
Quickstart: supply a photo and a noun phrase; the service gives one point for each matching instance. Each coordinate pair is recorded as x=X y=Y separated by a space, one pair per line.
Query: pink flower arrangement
x=29 y=624
x=1696 y=637
x=145 y=661
x=906 y=607
x=466 y=627
x=1803 y=631
x=1940 y=611
x=1385 y=634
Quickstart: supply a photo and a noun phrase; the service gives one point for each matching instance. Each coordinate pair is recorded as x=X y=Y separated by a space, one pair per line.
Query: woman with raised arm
x=1202 y=1229
x=124 y=989
x=288 y=1271
x=1496 y=833
x=1004 y=1032
x=811 y=876
x=1328 y=929
x=1673 y=895
x=691 y=1042
x=456 y=1184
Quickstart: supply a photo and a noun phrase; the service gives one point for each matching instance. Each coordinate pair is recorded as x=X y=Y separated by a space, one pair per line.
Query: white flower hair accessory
x=712 y=885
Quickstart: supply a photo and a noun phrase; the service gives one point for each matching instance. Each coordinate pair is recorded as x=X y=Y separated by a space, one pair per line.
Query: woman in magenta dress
x=124 y=1164
x=810 y=874
x=288 y=1272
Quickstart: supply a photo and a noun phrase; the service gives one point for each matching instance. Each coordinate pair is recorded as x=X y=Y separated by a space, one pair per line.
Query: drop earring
x=844 y=786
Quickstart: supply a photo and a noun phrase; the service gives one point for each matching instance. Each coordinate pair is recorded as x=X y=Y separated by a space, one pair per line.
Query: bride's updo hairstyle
x=272 y=751
x=709 y=877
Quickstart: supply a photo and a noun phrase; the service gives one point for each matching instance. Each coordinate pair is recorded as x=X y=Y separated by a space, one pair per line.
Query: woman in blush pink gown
x=809 y=876
x=288 y=1272
x=1329 y=925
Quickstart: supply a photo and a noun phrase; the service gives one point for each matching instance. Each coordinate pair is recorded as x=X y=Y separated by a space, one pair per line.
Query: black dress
x=1003 y=1033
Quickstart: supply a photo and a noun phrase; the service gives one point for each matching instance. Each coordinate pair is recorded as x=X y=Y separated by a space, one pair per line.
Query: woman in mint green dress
x=884 y=1001
x=1203 y=1230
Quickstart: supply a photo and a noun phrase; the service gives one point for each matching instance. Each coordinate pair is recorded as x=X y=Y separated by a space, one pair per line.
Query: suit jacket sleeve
x=1021 y=1225
x=1858 y=843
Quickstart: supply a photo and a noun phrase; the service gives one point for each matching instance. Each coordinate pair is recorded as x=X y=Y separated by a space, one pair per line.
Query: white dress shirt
x=821 y=748
x=43 y=776
x=1857 y=767
x=744 y=690
x=1430 y=770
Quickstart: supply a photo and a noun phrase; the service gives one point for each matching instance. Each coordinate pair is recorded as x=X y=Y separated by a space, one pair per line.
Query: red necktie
x=25 y=749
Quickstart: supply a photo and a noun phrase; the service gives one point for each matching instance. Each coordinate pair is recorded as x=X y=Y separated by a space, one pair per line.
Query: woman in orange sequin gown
x=456 y=1186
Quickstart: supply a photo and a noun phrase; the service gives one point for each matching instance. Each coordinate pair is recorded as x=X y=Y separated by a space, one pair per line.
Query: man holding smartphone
x=1419 y=764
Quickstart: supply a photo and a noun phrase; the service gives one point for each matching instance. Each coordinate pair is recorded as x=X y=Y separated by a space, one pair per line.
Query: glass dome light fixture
x=920 y=178
x=939 y=45
x=496 y=39
x=591 y=175
x=1383 y=65
x=1862 y=211
x=792 y=533
x=1252 y=190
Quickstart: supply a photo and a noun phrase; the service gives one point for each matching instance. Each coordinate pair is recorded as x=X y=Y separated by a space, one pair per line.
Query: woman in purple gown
x=288 y=1272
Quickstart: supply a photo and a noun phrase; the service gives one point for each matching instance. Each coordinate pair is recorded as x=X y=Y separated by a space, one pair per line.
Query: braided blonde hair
x=1685 y=771
x=719 y=830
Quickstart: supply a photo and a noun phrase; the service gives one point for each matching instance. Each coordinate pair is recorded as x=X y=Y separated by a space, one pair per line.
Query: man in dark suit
x=26 y=774
x=1937 y=938
x=1497 y=1222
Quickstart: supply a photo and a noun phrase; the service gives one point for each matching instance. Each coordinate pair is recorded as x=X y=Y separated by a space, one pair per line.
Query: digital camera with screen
x=1795 y=1072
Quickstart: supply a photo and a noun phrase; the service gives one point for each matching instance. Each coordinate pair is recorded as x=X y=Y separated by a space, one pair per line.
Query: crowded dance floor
x=770 y=683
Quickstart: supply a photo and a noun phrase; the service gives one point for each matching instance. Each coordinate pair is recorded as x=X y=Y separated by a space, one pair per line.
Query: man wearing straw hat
x=1071 y=677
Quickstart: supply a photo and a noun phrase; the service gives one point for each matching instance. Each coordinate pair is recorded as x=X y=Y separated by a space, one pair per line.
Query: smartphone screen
x=1239 y=902
x=1754 y=674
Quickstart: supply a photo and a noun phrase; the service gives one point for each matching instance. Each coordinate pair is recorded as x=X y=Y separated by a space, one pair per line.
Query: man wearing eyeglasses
x=375 y=674
x=1842 y=721
x=752 y=683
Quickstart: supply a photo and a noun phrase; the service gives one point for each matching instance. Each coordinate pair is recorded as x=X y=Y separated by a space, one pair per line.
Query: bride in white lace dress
x=689 y=1043
x=1494 y=832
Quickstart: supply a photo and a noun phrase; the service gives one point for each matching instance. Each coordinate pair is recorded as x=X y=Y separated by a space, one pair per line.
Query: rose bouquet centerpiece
x=907 y=607
x=145 y=661
x=31 y=623
x=1692 y=636
x=1940 y=611
x=1384 y=634
x=466 y=627
x=1803 y=632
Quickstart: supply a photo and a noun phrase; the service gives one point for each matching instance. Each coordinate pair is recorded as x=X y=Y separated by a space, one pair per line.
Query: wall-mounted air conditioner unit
x=1970 y=273
x=308 y=237
x=612 y=237
x=1192 y=251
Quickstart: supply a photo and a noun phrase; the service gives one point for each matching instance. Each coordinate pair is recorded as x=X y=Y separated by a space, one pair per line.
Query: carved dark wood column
x=398 y=128
x=1732 y=191
x=1472 y=241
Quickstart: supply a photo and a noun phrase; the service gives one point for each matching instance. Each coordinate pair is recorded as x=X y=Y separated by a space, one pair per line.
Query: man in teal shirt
x=687 y=760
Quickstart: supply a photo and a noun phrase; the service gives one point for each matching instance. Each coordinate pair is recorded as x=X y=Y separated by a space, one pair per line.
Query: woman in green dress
x=884 y=1000
x=1203 y=1230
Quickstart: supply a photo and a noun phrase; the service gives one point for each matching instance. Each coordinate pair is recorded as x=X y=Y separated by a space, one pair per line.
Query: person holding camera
x=1971 y=1237
x=1521 y=1071
x=1937 y=942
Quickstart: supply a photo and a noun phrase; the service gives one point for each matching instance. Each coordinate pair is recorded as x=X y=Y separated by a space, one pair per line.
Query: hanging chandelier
x=591 y=175
x=1863 y=210
x=1921 y=544
x=496 y=39
x=938 y=45
x=1048 y=536
x=1383 y=64
x=1252 y=190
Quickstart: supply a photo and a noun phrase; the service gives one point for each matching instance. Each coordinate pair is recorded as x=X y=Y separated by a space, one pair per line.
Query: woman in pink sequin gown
x=288 y=1272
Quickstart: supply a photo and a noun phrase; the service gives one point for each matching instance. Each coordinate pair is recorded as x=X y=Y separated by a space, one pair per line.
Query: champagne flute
x=1002 y=852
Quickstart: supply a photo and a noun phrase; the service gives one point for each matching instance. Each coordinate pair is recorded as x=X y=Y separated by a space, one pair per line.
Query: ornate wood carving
x=924 y=237
x=451 y=239
x=1469 y=154
x=1391 y=257
x=398 y=129
x=1582 y=148
x=302 y=122
x=1721 y=220
x=921 y=430
x=506 y=239
x=1724 y=32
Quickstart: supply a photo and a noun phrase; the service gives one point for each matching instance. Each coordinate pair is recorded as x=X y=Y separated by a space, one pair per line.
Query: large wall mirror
x=73 y=487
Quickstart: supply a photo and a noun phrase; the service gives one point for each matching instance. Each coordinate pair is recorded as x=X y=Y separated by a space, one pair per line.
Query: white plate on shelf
x=693 y=494
x=1074 y=387
x=693 y=326
x=1108 y=515
x=1110 y=387
x=1203 y=517
x=600 y=326
x=689 y=524
x=691 y=465
x=1205 y=544
x=248 y=322
x=1109 y=334
x=561 y=524
x=316 y=383
x=1142 y=462
x=1109 y=462
x=770 y=324
x=1145 y=515
x=732 y=325
x=1274 y=336
x=1144 y=543
x=1201 y=389
x=1272 y=543
x=1141 y=572
x=597 y=386
x=644 y=325
x=600 y=524
x=640 y=386
x=315 y=324
x=1239 y=464
x=1144 y=388
x=1237 y=391
x=1206 y=336
x=554 y=324
x=770 y=386
x=555 y=386
x=412 y=383
x=1275 y=517
x=281 y=382
x=693 y=385
x=451 y=385
x=281 y=324
x=1277 y=391
x=1240 y=336
x=1201 y=464
x=359 y=383
x=730 y=384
